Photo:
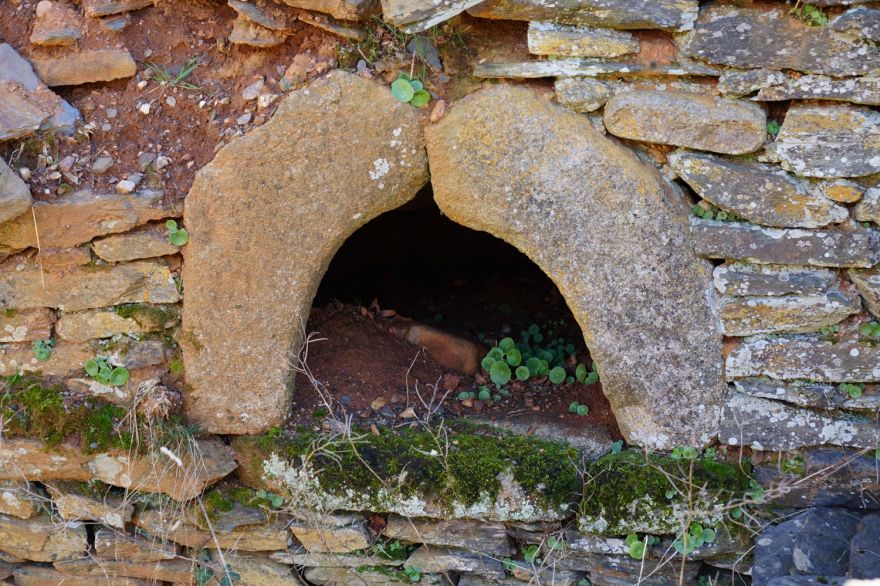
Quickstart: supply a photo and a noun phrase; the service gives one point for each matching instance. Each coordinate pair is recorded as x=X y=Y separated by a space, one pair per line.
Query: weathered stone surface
x=861 y=21
x=621 y=14
x=735 y=83
x=203 y=463
x=549 y=38
x=300 y=557
x=85 y=66
x=364 y=576
x=625 y=571
x=146 y=243
x=15 y=195
x=176 y=571
x=54 y=259
x=769 y=425
x=854 y=247
x=83 y=215
x=28 y=100
x=26 y=325
x=581 y=94
x=860 y=90
x=103 y=323
x=487 y=538
x=168 y=525
x=20 y=499
x=341 y=9
x=418 y=15
x=807 y=357
x=864 y=549
x=97 y=8
x=740 y=278
x=829 y=141
x=580 y=67
x=66 y=359
x=842 y=190
x=747 y=316
x=56 y=25
x=758 y=193
x=733 y=35
x=263 y=571
x=868 y=283
x=868 y=209
x=26 y=459
x=86 y=287
x=435 y=559
x=266 y=14
x=581 y=170
x=47 y=576
x=374 y=174
x=73 y=504
x=813 y=543
x=331 y=539
x=247 y=32
x=41 y=540
x=806 y=394
x=117 y=545
x=690 y=120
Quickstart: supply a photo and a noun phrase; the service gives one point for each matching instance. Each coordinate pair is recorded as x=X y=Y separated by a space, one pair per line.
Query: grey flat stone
x=479 y=536
x=868 y=208
x=854 y=247
x=859 y=90
x=748 y=316
x=806 y=394
x=864 y=549
x=15 y=195
x=581 y=94
x=736 y=83
x=549 y=38
x=740 y=278
x=435 y=559
x=417 y=15
x=862 y=21
x=867 y=281
x=575 y=67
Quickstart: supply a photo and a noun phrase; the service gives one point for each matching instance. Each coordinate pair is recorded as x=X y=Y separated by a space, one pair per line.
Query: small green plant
x=637 y=547
x=176 y=236
x=853 y=390
x=870 y=329
x=755 y=491
x=483 y=393
x=793 y=465
x=165 y=78
x=274 y=500
x=410 y=91
x=809 y=15
x=413 y=573
x=43 y=349
x=696 y=536
x=583 y=376
x=531 y=553
x=105 y=373
x=391 y=550
x=616 y=447
x=578 y=408
x=684 y=453
x=829 y=330
x=773 y=127
x=204 y=572
x=707 y=211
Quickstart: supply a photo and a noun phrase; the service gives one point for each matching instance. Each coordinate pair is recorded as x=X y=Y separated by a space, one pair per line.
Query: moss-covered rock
x=630 y=492
x=473 y=473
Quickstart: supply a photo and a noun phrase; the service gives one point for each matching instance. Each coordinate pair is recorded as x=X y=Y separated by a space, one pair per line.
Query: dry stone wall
x=706 y=200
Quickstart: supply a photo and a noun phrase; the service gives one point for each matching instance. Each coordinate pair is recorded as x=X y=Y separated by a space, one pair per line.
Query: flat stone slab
x=26 y=325
x=436 y=559
x=769 y=425
x=577 y=67
x=590 y=172
x=748 y=316
x=418 y=15
x=549 y=38
x=868 y=208
x=481 y=536
x=357 y=180
x=867 y=281
x=149 y=242
x=737 y=36
x=808 y=357
x=736 y=83
x=341 y=9
x=864 y=549
x=41 y=539
x=15 y=195
x=859 y=90
x=806 y=394
x=368 y=576
x=855 y=247
x=85 y=66
x=828 y=141
x=676 y=15
x=689 y=120
x=740 y=278
x=582 y=94
x=759 y=193
x=861 y=21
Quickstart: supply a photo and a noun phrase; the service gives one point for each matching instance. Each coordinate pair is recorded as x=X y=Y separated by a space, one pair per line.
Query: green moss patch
x=148 y=316
x=463 y=467
x=630 y=492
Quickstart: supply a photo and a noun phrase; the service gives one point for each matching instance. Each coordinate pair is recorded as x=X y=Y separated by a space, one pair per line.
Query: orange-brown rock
x=447 y=349
x=26 y=325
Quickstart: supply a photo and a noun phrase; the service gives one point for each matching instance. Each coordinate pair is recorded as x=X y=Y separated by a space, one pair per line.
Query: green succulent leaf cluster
x=410 y=91
x=413 y=573
x=578 y=408
x=829 y=330
x=484 y=393
x=810 y=15
x=853 y=390
x=204 y=572
x=176 y=236
x=275 y=500
x=684 y=453
x=696 y=536
x=773 y=127
x=707 y=211
x=43 y=349
x=870 y=329
x=531 y=553
x=637 y=546
x=105 y=373
x=755 y=491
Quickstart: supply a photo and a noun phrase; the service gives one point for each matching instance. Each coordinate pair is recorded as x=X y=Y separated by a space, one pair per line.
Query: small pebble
x=106 y=127
x=135 y=178
x=144 y=160
x=161 y=162
x=252 y=91
x=142 y=84
x=144 y=108
x=244 y=118
x=25 y=173
x=148 y=52
x=112 y=112
x=266 y=99
x=101 y=165
x=171 y=101
x=67 y=163
x=54 y=175
x=125 y=186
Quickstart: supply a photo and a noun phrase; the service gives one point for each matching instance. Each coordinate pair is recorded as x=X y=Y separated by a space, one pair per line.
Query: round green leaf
x=580 y=373
x=416 y=85
x=507 y=344
x=102 y=379
x=537 y=337
x=118 y=376
x=500 y=373
x=592 y=378
x=496 y=353
x=464 y=396
x=514 y=357
x=487 y=362
x=484 y=395
x=171 y=225
x=534 y=329
x=708 y=535
x=637 y=550
x=402 y=90
x=92 y=367
x=522 y=372
x=179 y=238
x=573 y=407
x=569 y=380
x=557 y=375
x=420 y=98
x=533 y=364
x=582 y=410
x=404 y=76
x=545 y=368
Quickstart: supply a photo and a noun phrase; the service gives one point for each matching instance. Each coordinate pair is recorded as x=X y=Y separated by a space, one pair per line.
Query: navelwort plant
x=176 y=236
x=578 y=408
x=43 y=349
x=105 y=373
x=853 y=390
x=696 y=536
x=637 y=547
x=870 y=329
x=410 y=91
